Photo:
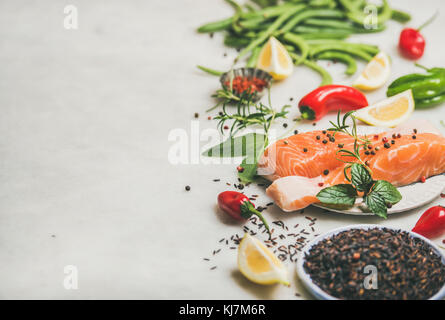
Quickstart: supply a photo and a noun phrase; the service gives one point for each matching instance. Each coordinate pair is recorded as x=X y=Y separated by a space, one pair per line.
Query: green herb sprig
x=251 y=145
x=377 y=194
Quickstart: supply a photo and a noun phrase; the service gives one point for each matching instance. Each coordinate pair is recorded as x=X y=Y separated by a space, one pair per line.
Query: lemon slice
x=258 y=264
x=375 y=74
x=275 y=59
x=390 y=112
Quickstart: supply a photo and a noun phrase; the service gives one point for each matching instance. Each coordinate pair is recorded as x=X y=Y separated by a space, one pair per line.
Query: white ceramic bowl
x=317 y=292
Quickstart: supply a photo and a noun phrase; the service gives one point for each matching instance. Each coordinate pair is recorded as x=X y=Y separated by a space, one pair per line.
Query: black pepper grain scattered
x=387 y=145
x=187 y=188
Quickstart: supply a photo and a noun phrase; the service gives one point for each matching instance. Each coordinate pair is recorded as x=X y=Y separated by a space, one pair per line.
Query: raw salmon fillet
x=301 y=165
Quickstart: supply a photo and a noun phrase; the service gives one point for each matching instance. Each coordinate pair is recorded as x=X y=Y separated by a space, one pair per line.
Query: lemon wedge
x=258 y=264
x=390 y=112
x=275 y=59
x=376 y=73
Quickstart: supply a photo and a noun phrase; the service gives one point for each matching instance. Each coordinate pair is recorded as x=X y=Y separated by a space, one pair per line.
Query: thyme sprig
x=359 y=142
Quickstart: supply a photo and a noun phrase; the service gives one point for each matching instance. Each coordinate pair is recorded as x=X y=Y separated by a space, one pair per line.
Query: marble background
x=85 y=178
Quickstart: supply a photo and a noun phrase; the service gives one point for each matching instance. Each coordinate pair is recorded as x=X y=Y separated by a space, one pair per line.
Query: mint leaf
x=387 y=191
x=249 y=173
x=342 y=194
x=360 y=177
x=377 y=204
x=250 y=145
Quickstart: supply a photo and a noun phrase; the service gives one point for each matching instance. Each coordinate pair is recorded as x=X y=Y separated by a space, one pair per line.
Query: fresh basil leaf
x=341 y=194
x=249 y=173
x=250 y=145
x=360 y=177
x=387 y=191
x=377 y=204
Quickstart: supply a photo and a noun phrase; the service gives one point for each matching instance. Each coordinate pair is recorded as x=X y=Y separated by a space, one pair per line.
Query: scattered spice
x=285 y=125
x=326 y=172
x=414 y=137
x=187 y=188
x=242 y=84
x=196 y=115
x=304 y=149
x=296 y=132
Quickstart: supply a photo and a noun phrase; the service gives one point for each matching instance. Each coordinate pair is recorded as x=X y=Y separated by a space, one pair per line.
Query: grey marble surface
x=85 y=178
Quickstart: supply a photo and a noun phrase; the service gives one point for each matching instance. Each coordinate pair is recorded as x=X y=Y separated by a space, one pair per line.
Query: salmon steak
x=303 y=164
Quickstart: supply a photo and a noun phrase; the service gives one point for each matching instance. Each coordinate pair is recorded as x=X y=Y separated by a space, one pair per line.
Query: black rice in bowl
x=378 y=264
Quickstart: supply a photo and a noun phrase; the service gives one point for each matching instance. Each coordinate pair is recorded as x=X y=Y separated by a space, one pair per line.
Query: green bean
x=326 y=13
x=252 y=23
x=326 y=23
x=269 y=12
x=400 y=16
x=372 y=50
x=311 y=31
x=325 y=76
x=227 y=23
x=272 y=28
x=360 y=17
x=325 y=35
x=298 y=42
x=216 y=26
x=347 y=59
x=340 y=47
x=234 y=41
x=252 y=62
x=211 y=71
x=237 y=15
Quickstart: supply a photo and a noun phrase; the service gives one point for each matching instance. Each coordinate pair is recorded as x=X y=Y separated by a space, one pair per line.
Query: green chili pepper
x=431 y=102
x=428 y=88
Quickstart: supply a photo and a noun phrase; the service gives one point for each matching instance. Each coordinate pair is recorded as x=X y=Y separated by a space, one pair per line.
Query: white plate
x=413 y=196
x=317 y=292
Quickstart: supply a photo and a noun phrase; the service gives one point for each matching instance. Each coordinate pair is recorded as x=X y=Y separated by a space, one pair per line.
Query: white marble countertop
x=84 y=173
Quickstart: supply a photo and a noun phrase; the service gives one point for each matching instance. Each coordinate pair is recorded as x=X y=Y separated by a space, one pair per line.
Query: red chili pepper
x=238 y=206
x=319 y=102
x=412 y=43
x=432 y=223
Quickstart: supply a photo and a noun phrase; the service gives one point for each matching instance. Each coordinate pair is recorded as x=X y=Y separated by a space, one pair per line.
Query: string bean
x=342 y=57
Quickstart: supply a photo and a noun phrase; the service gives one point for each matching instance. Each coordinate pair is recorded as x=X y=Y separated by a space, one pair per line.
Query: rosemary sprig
x=248 y=114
